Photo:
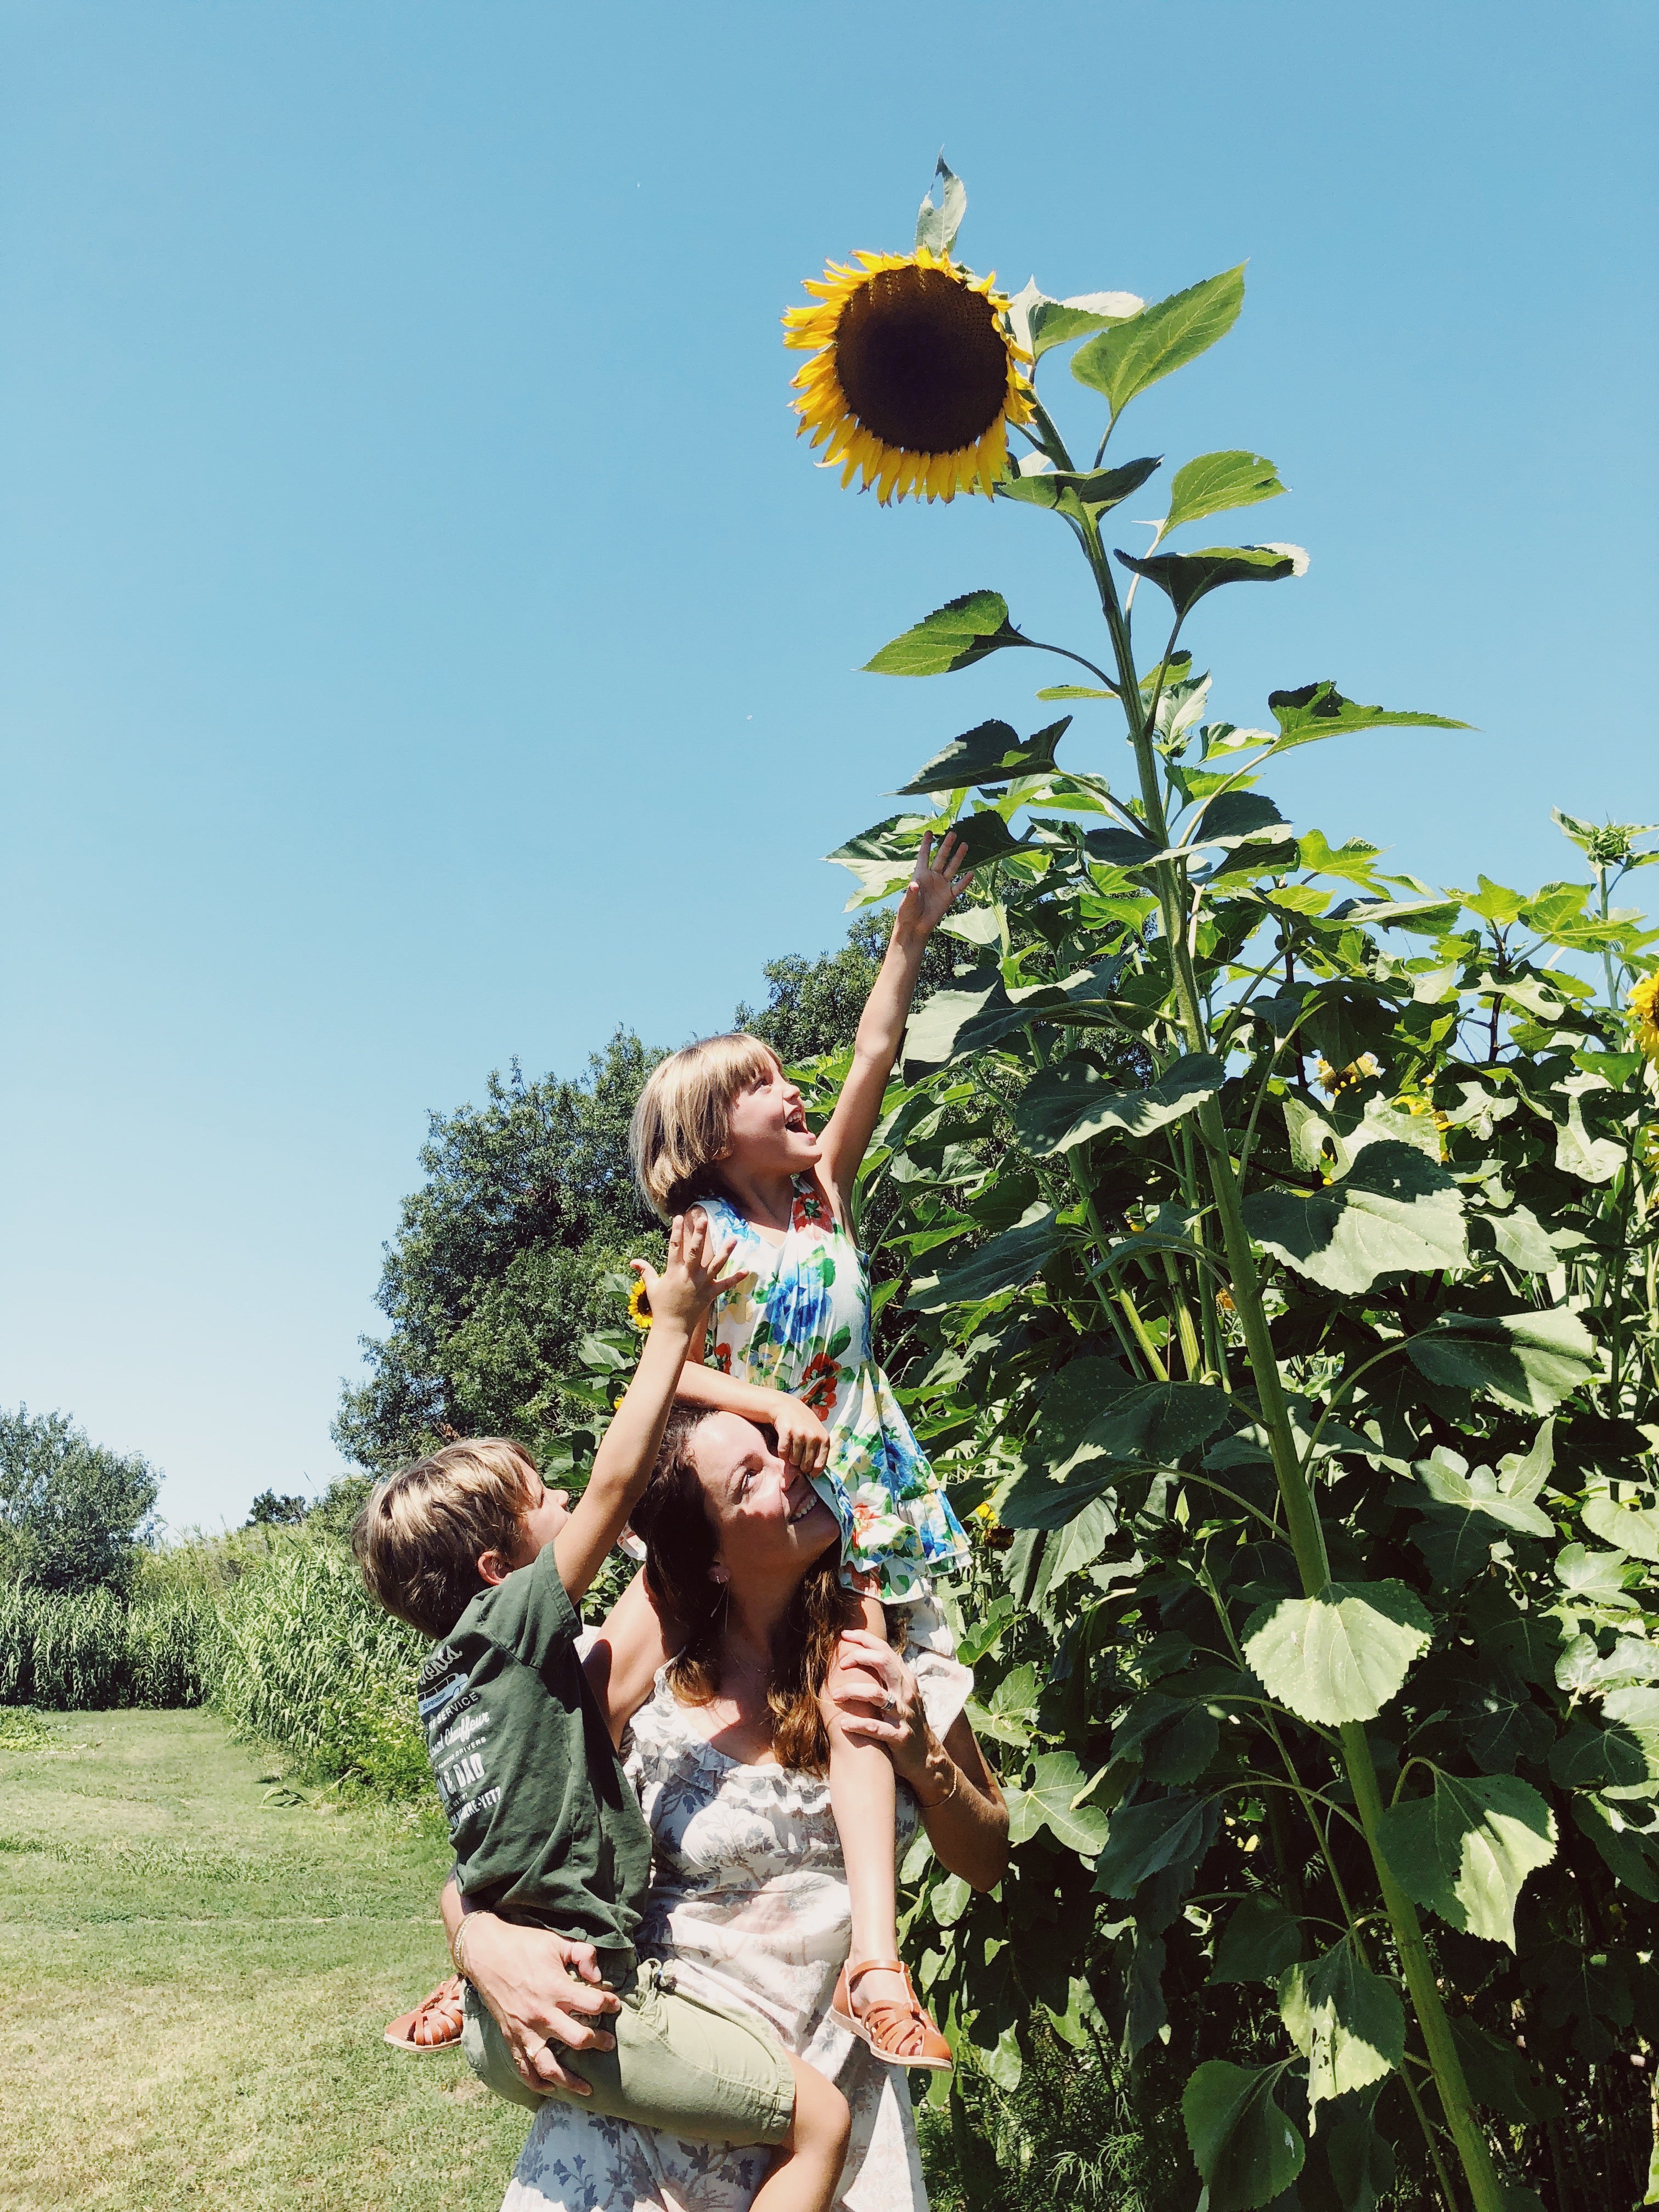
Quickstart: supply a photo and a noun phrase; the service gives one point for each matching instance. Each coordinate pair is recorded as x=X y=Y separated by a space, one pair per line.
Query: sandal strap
x=879 y=1966
x=893 y=2027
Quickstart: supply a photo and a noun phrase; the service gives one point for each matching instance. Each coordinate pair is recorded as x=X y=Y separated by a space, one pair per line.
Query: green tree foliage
x=497 y=1268
x=73 y=1516
x=511 y=1255
x=272 y=1510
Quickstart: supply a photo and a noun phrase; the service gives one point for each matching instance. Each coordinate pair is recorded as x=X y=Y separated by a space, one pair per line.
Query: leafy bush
x=305 y=1659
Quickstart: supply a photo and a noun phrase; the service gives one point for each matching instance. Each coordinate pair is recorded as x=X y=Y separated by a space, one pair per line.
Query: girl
x=720 y=1126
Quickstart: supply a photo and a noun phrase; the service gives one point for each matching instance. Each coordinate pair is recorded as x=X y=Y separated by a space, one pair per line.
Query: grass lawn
x=195 y=1977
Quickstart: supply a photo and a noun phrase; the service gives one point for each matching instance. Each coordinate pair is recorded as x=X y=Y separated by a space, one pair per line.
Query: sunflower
x=1644 y=1015
x=639 y=1305
x=915 y=376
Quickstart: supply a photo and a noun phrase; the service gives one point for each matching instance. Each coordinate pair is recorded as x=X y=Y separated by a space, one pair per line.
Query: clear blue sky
x=424 y=643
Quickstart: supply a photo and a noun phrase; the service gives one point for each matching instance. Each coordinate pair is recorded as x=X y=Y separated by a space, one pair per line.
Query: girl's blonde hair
x=683 y=1122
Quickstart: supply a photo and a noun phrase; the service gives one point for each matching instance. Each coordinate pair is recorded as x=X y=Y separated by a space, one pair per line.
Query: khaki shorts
x=693 y=2069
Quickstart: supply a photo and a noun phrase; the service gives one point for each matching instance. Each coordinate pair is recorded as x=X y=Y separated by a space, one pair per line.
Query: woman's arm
x=803 y=1439
x=962 y=1808
x=847 y=1136
x=537 y=1985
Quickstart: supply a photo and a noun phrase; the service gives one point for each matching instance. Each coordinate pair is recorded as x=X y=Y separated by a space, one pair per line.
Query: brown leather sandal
x=902 y=2035
x=435 y=2024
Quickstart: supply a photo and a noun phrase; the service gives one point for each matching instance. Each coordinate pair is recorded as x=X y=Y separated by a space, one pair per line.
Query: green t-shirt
x=544 y=1825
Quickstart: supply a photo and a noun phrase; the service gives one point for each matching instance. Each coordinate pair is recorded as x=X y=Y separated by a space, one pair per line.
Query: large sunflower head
x=915 y=376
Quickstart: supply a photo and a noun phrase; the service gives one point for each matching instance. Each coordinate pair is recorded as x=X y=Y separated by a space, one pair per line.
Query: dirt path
x=194 y=1975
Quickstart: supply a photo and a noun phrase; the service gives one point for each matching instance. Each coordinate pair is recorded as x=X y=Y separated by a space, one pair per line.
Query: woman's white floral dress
x=801 y=1324
x=748 y=1907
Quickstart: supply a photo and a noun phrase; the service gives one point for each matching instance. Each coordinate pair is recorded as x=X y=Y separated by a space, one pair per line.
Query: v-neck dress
x=801 y=1324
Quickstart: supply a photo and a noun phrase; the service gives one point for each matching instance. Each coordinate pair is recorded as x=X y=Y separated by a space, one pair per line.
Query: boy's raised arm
x=680 y=1300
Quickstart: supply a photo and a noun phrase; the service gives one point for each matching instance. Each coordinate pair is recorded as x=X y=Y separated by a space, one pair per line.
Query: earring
x=719 y=1575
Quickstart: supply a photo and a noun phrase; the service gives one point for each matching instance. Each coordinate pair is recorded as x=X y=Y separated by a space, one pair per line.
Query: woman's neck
x=769 y=1200
x=751 y=1622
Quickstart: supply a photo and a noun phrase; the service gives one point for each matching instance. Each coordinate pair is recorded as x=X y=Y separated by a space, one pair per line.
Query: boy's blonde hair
x=418 y=1537
x=683 y=1122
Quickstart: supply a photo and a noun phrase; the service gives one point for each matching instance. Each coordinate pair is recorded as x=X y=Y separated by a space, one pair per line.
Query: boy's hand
x=803 y=1440
x=692 y=1279
x=937 y=879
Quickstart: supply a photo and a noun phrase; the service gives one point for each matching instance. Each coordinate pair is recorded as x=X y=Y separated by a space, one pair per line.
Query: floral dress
x=748 y=1908
x=801 y=1324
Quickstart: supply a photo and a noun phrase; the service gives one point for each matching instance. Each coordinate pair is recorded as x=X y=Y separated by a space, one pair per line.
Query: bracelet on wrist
x=933 y=1804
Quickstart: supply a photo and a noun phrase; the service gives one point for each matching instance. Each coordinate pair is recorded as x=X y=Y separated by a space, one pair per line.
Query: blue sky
x=424 y=642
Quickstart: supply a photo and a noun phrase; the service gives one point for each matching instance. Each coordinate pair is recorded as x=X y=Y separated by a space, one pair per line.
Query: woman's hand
x=803 y=1440
x=879 y=1702
x=539 y=1986
x=937 y=879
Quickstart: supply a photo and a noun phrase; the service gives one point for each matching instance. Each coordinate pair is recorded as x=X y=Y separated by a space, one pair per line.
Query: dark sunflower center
x=921 y=361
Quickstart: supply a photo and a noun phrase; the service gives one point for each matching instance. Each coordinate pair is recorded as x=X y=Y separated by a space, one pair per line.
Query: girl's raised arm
x=939 y=876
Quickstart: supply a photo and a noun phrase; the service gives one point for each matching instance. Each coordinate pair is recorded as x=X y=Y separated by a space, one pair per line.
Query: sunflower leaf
x=1041 y=322
x=1071 y=490
x=937 y=226
x=1216 y=482
x=1069 y=1102
x=1187 y=577
x=1465 y=1851
x=1246 y=2150
x=992 y=752
x=1162 y=338
x=954 y=635
x=1318 y=710
x=1340 y=1655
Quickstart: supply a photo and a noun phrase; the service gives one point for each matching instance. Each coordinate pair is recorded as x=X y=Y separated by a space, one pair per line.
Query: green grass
x=196 y=1965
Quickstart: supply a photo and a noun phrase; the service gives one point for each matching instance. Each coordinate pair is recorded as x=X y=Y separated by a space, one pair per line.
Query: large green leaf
x=1528 y=1359
x=1347 y=2022
x=1144 y=1838
x=1070 y=491
x=1318 y=710
x=954 y=635
x=1342 y=1656
x=1043 y=322
x=1395 y=1212
x=1161 y=339
x=1186 y=578
x=1261 y=1941
x=992 y=752
x=1633 y=1527
x=1151 y=1424
x=1630 y=1852
x=1070 y=1102
x=1216 y=481
x=1361 y=2163
x=937 y=226
x=1447 y=1477
x=1243 y=2146
x=1465 y=1850
x=1003 y=1264
x=1056 y=1780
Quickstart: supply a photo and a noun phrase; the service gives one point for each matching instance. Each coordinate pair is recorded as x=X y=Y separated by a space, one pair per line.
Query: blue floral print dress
x=801 y=1324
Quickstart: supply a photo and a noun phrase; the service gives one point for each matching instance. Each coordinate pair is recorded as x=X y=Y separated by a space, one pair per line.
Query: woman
x=749 y=1901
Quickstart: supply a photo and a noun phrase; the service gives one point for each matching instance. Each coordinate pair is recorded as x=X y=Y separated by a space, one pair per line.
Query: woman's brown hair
x=673 y=1520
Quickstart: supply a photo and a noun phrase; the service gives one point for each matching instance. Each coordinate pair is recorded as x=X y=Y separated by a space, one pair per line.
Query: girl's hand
x=692 y=1279
x=803 y=1440
x=879 y=1703
x=938 y=878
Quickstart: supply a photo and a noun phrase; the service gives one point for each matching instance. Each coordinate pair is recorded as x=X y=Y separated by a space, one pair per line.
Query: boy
x=471 y=1549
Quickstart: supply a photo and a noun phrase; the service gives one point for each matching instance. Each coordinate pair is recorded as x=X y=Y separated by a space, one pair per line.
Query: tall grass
x=276 y=1632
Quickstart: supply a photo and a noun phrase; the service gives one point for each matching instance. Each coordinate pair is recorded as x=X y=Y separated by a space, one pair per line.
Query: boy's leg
x=805 y=2175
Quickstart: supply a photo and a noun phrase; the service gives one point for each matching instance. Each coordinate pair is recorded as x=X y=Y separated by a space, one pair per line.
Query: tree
x=73 y=1516
x=496 y=1271
x=268 y=1510
x=508 y=1255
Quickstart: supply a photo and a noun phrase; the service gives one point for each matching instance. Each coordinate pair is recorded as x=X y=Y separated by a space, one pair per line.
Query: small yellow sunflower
x=639 y=1305
x=1644 y=1012
x=915 y=376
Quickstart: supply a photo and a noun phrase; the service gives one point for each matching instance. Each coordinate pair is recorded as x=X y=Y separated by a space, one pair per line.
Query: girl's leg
x=863 y=1796
x=805 y=2173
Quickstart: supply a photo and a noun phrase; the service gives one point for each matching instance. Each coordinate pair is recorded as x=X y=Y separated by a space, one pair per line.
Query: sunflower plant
x=1278 y=1237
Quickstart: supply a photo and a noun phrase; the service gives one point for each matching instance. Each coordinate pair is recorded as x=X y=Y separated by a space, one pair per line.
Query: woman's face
x=769 y=1522
x=766 y=1126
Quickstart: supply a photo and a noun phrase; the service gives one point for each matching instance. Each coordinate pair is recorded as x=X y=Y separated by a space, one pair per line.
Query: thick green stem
x=1301 y=1514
